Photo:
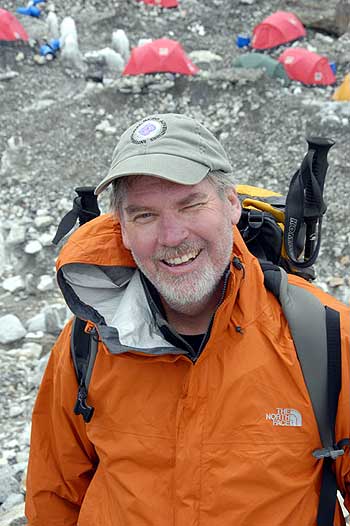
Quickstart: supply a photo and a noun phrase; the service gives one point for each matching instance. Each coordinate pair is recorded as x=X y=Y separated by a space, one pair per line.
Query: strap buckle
x=256 y=219
x=332 y=452
x=81 y=407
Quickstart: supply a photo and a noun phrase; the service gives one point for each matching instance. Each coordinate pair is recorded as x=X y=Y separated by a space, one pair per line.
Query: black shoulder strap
x=316 y=334
x=84 y=348
x=328 y=491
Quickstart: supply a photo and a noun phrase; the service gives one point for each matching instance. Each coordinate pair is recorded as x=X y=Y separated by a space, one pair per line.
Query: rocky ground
x=58 y=130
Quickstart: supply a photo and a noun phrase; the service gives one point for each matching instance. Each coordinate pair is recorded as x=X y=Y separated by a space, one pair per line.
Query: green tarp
x=258 y=60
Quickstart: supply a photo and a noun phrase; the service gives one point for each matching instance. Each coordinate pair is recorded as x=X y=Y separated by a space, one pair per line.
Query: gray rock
x=2 y=252
x=106 y=128
x=8 y=75
x=55 y=317
x=33 y=247
x=43 y=221
x=14 y=517
x=332 y=16
x=120 y=43
x=17 y=235
x=15 y=410
x=204 y=55
x=37 y=323
x=52 y=25
x=12 y=500
x=11 y=329
x=35 y=378
x=13 y=284
x=46 y=283
x=8 y=483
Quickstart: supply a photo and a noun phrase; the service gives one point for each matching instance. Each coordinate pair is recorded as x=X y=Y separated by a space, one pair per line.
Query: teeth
x=182 y=259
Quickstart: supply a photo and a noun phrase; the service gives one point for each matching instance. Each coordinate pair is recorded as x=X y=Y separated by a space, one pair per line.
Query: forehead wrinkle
x=132 y=209
x=192 y=197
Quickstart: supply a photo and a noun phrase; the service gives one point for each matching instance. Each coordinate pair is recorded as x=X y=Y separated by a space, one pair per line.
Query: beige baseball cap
x=170 y=146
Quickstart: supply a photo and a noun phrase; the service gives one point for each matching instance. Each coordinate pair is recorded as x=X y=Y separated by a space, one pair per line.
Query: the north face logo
x=285 y=416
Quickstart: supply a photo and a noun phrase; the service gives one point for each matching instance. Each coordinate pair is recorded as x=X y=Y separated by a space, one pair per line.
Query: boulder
x=331 y=16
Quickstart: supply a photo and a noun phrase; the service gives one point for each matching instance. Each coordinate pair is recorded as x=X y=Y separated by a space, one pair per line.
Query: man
x=201 y=413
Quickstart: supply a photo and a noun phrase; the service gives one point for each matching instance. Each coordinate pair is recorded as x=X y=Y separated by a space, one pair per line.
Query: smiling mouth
x=183 y=260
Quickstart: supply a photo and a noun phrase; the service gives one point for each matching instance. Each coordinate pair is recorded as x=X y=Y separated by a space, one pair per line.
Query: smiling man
x=201 y=414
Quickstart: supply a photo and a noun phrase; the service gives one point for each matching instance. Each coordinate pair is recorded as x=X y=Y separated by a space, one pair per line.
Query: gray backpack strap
x=306 y=318
x=316 y=333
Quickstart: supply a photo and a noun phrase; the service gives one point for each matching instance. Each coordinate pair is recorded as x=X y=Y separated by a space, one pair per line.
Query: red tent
x=11 y=29
x=277 y=29
x=162 y=3
x=163 y=55
x=307 y=67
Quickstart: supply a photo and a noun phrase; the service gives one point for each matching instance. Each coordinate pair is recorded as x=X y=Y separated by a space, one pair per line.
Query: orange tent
x=162 y=3
x=277 y=29
x=11 y=30
x=342 y=93
x=307 y=67
x=162 y=55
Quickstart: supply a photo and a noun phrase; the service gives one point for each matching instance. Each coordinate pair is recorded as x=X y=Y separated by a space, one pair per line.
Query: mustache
x=177 y=252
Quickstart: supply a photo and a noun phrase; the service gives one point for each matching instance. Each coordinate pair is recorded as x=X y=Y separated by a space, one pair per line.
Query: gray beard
x=189 y=294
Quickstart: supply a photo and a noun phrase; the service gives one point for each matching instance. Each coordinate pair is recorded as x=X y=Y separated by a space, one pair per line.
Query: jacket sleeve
x=62 y=461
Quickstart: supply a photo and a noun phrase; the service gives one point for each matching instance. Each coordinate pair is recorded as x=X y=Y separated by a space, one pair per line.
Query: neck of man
x=193 y=318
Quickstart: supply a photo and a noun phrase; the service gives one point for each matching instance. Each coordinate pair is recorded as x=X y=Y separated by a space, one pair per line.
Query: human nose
x=172 y=231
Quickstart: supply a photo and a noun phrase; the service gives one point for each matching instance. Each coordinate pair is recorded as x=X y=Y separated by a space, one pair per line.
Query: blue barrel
x=30 y=11
x=243 y=41
x=55 y=44
x=333 y=67
x=45 y=49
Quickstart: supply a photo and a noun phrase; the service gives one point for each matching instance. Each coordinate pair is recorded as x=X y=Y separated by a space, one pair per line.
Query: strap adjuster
x=328 y=452
x=256 y=219
x=81 y=407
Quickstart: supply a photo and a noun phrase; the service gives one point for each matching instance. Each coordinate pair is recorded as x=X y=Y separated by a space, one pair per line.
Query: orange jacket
x=172 y=442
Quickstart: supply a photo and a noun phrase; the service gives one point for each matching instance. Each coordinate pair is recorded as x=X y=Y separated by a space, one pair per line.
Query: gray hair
x=221 y=182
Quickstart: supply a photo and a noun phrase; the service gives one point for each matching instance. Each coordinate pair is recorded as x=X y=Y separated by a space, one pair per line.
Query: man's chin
x=188 y=309
x=187 y=300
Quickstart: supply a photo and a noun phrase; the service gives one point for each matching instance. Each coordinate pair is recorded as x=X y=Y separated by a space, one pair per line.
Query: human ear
x=235 y=206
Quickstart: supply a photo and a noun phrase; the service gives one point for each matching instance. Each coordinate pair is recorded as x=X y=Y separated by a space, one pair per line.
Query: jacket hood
x=100 y=283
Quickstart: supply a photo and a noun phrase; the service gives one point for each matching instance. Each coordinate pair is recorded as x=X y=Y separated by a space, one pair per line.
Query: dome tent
x=277 y=29
x=11 y=30
x=260 y=61
x=159 y=56
x=13 y=38
x=307 y=67
x=162 y=3
x=342 y=93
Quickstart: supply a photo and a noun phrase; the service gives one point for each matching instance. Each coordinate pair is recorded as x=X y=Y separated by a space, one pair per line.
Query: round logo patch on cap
x=148 y=130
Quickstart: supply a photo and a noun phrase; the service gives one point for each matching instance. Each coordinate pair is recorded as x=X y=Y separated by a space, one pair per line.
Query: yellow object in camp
x=343 y=92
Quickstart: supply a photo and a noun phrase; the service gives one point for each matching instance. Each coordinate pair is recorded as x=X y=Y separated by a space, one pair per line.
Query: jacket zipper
x=238 y=264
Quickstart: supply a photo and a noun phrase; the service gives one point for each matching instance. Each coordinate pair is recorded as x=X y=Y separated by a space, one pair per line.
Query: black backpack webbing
x=324 y=392
x=328 y=492
x=84 y=347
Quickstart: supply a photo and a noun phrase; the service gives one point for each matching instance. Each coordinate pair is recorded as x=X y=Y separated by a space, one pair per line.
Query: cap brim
x=173 y=168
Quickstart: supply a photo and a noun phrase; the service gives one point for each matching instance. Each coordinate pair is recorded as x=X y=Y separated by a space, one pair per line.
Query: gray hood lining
x=122 y=303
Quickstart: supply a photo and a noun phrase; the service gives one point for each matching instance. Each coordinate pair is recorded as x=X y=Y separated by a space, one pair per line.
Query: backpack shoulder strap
x=84 y=346
x=316 y=334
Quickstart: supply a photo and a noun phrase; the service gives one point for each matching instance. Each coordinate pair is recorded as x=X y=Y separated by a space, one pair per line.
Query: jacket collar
x=94 y=268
